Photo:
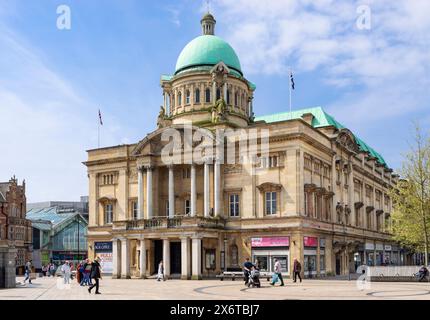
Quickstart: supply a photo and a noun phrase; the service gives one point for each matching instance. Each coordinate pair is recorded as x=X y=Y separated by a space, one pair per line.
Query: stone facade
x=14 y=225
x=315 y=195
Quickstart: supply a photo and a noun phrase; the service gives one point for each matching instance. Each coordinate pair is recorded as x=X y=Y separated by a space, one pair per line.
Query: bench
x=230 y=274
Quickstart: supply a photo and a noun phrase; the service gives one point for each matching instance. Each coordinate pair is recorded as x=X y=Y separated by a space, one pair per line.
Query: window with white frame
x=271 y=201
x=187 y=207
x=234 y=210
x=108 y=213
x=135 y=210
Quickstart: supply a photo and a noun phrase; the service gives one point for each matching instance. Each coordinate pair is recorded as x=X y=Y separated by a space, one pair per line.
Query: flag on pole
x=293 y=85
x=100 y=117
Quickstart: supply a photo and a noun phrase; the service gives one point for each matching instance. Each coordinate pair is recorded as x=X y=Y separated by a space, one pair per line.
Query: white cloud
x=388 y=66
x=46 y=124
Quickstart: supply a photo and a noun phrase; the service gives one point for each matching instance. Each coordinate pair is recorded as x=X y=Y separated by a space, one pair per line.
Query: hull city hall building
x=323 y=197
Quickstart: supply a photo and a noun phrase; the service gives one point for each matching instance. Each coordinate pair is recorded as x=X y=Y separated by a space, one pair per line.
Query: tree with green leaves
x=411 y=197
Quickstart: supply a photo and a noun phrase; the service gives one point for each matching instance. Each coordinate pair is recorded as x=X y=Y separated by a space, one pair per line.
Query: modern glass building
x=58 y=235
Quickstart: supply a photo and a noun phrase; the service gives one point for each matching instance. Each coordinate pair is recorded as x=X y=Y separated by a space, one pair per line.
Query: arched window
x=234 y=255
x=173 y=100
x=179 y=98
x=197 y=96
x=187 y=97
x=236 y=99
x=208 y=95
x=218 y=94
x=228 y=96
x=242 y=101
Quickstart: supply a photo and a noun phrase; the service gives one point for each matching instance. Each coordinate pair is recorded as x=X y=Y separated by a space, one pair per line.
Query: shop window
x=284 y=263
x=263 y=262
x=210 y=260
x=322 y=262
x=234 y=255
x=271 y=203
x=234 y=205
x=197 y=96
x=187 y=207
x=310 y=264
x=108 y=213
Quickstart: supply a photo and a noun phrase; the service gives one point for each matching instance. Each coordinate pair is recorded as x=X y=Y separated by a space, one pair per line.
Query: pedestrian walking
x=44 y=270
x=87 y=273
x=28 y=269
x=65 y=268
x=160 y=275
x=52 y=269
x=247 y=270
x=297 y=269
x=278 y=273
x=79 y=272
x=96 y=275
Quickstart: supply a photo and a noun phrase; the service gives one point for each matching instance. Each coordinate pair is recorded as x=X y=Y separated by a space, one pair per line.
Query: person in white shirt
x=65 y=268
x=278 y=271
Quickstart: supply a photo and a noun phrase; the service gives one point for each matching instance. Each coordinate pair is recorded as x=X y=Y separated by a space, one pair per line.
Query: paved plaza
x=52 y=289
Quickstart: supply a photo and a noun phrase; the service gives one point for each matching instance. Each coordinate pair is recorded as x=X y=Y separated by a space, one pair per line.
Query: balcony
x=172 y=223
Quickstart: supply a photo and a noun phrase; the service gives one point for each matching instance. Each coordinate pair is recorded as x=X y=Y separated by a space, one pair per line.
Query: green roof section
x=321 y=119
x=166 y=77
x=207 y=50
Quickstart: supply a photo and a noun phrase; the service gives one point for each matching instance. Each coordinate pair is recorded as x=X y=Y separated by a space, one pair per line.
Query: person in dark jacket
x=96 y=275
x=297 y=269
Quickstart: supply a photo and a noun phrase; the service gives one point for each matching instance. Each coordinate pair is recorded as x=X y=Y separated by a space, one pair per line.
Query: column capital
x=149 y=167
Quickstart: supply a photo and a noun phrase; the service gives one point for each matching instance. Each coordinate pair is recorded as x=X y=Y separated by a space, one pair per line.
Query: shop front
x=369 y=248
x=103 y=250
x=379 y=249
x=266 y=249
x=310 y=245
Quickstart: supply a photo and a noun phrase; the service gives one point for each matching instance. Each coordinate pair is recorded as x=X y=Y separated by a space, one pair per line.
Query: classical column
x=125 y=258
x=185 y=258
x=116 y=259
x=140 y=192
x=149 y=213
x=217 y=188
x=171 y=192
x=226 y=255
x=142 y=258
x=197 y=259
x=193 y=191
x=206 y=190
x=166 y=257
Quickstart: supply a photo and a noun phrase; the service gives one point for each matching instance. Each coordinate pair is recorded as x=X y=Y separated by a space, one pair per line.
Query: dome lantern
x=208 y=24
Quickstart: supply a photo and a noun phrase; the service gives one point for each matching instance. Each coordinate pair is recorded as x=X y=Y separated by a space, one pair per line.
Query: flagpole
x=98 y=136
x=291 y=84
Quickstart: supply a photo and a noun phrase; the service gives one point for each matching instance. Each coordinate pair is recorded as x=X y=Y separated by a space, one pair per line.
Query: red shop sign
x=270 y=242
x=310 y=242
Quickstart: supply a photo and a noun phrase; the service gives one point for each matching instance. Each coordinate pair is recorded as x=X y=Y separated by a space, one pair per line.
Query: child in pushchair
x=254 y=278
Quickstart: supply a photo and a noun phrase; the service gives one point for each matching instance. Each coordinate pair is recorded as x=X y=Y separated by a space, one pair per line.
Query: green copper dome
x=207 y=50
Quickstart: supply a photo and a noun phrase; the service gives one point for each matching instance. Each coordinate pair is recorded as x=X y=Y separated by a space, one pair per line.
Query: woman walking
x=96 y=275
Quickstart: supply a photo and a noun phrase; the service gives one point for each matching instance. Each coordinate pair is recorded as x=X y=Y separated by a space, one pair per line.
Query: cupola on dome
x=207 y=50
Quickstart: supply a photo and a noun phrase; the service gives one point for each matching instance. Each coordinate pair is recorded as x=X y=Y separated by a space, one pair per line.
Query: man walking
x=96 y=275
x=28 y=269
x=297 y=269
x=278 y=272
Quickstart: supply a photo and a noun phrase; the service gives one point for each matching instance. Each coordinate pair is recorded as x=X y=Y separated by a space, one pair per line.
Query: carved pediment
x=358 y=205
x=269 y=186
x=369 y=209
x=154 y=143
x=346 y=139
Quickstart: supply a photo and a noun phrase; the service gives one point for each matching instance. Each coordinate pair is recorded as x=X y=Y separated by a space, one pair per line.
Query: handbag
x=275 y=278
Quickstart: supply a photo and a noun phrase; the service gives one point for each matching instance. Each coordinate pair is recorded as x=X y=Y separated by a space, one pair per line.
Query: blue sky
x=52 y=82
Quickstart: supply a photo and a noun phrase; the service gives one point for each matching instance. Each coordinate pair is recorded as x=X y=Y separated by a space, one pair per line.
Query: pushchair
x=254 y=279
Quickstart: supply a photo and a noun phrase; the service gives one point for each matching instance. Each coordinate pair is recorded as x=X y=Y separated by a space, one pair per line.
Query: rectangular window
x=135 y=210
x=270 y=203
x=187 y=207
x=167 y=208
x=109 y=213
x=234 y=205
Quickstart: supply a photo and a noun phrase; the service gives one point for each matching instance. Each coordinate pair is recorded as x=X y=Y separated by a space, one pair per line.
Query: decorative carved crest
x=346 y=139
